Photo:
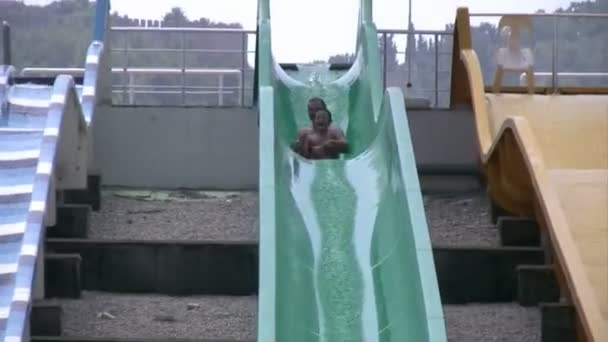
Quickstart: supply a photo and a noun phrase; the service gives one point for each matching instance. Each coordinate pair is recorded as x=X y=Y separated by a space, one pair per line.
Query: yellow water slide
x=544 y=153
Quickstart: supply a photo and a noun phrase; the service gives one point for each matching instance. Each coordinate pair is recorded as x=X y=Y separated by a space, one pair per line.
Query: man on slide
x=315 y=104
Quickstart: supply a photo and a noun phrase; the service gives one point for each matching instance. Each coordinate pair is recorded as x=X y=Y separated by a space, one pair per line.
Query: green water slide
x=344 y=248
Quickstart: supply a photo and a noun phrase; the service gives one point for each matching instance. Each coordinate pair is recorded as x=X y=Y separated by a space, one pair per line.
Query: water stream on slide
x=325 y=188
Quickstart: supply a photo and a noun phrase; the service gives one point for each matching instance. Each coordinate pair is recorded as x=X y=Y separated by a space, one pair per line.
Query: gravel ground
x=177 y=215
x=462 y=219
x=145 y=316
x=492 y=323
x=153 y=316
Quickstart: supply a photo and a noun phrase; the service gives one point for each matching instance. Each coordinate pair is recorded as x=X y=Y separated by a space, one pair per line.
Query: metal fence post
x=554 y=59
x=131 y=89
x=556 y=56
x=220 y=93
x=436 y=70
x=126 y=81
x=243 y=66
x=6 y=43
x=384 y=62
x=183 y=68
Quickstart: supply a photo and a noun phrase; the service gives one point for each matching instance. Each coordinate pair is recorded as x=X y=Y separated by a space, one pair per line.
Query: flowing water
x=337 y=277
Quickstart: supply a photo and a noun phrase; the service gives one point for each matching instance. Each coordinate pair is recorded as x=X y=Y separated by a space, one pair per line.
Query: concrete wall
x=444 y=138
x=212 y=148
x=217 y=148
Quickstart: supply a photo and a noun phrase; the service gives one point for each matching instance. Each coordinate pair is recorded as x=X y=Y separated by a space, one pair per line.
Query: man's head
x=322 y=120
x=315 y=104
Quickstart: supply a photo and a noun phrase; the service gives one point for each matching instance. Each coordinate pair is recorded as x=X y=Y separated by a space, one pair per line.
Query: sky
x=305 y=30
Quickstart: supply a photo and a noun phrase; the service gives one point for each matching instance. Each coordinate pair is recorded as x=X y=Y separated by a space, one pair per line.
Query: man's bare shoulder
x=336 y=132
x=305 y=131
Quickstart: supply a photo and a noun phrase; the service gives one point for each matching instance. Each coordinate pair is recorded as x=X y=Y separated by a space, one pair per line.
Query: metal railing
x=557 y=17
x=6 y=43
x=234 y=85
x=129 y=88
x=438 y=39
x=128 y=85
x=572 y=75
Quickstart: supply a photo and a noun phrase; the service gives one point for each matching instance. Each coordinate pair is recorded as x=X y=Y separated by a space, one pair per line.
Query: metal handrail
x=176 y=50
x=419 y=32
x=523 y=81
x=576 y=74
x=180 y=29
x=51 y=71
x=144 y=86
x=572 y=15
x=130 y=89
x=79 y=71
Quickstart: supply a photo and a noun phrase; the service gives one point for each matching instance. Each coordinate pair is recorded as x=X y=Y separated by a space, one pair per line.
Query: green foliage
x=54 y=35
x=58 y=35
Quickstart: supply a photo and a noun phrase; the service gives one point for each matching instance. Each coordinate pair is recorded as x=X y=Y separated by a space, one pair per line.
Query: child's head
x=322 y=120
x=315 y=104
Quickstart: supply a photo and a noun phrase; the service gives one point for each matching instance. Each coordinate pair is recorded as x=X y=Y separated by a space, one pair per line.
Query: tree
x=391 y=51
x=175 y=18
x=345 y=58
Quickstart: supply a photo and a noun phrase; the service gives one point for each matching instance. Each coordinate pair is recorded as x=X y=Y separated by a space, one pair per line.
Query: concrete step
x=230 y=268
x=45 y=319
x=73 y=221
x=62 y=276
x=515 y=231
x=165 y=267
x=558 y=322
x=536 y=284
x=89 y=196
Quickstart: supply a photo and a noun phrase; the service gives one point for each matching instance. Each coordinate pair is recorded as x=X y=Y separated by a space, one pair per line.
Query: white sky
x=304 y=30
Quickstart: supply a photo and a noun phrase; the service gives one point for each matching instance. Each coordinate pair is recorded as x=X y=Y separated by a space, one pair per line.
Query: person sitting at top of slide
x=315 y=104
x=323 y=141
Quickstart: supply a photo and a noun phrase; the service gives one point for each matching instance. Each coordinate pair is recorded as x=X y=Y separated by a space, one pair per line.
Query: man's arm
x=300 y=142
x=302 y=145
x=337 y=141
